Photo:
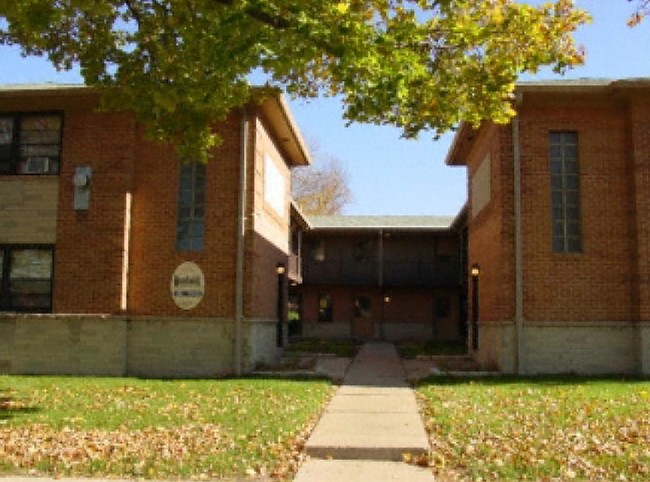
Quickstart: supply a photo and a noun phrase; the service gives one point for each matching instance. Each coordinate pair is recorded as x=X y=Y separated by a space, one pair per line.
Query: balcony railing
x=393 y=273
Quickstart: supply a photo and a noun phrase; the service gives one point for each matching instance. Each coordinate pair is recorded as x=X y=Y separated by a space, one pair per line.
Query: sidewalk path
x=371 y=421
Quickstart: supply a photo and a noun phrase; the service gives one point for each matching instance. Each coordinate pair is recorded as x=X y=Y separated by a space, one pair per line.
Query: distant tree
x=322 y=188
x=181 y=65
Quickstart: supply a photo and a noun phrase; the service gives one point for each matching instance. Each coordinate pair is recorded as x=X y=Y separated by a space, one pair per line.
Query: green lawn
x=155 y=429
x=538 y=429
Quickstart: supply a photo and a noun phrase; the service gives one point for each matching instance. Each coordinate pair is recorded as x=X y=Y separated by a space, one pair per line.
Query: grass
x=413 y=349
x=155 y=429
x=344 y=347
x=538 y=429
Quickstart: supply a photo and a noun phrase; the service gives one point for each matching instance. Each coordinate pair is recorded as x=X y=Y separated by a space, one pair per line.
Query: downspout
x=241 y=236
x=380 y=279
x=519 y=292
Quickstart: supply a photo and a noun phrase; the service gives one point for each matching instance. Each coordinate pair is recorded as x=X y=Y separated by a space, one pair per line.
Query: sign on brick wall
x=188 y=285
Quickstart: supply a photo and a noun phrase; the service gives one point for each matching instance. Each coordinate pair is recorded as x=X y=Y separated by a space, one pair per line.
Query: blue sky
x=390 y=175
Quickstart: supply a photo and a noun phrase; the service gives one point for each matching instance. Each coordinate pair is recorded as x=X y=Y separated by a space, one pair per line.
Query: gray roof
x=582 y=84
x=420 y=223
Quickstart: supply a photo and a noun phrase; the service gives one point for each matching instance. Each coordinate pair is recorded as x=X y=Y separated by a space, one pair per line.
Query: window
x=325 y=307
x=190 y=229
x=318 y=251
x=362 y=307
x=361 y=252
x=30 y=143
x=565 y=191
x=26 y=278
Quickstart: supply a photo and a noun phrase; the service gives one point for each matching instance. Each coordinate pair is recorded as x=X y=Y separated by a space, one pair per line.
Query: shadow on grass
x=10 y=407
x=534 y=380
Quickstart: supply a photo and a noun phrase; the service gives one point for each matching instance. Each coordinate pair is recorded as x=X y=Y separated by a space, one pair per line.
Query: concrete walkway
x=370 y=423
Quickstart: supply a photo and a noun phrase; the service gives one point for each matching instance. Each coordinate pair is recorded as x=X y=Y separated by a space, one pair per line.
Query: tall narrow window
x=565 y=191
x=190 y=230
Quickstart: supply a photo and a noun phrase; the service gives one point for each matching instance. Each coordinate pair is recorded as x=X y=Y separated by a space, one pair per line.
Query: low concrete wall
x=118 y=346
x=179 y=347
x=584 y=348
x=407 y=331
x=261 y=343
x=496 y=346
x=336 y=329
x=644 y=348
x=590 y=348
x=45 y=344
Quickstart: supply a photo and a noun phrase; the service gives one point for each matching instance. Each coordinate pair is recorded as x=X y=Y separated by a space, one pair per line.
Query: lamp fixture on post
x=281 y=270
x=475 y=273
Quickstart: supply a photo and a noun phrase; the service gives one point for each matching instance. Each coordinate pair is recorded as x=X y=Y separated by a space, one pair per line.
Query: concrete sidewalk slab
x=373 y=415
x=369 y=436
x=361 y=471
x=377 y=403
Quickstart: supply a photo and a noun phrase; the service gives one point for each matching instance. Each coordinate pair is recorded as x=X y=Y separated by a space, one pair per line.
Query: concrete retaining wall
x=119 y=346
x=591 y=348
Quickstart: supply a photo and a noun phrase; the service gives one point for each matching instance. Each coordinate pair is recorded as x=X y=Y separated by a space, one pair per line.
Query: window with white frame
x=30 y=143
x=26 y=278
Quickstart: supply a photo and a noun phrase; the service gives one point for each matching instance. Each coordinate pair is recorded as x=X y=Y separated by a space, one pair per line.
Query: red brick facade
x=118 y=256
x=605 y=282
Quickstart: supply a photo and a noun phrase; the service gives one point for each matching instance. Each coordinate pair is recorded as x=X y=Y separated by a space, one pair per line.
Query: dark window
x=318 y=251
x=361 y=251
x=30 y=143
x=565 y=191
x=190 y=230
x=362 y=307
x=325 y=307
x=26 y=278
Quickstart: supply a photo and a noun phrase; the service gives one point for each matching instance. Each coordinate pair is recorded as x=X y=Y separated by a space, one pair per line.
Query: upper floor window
x=190 y=229
x=30 y=143
x=26 y=278
x=565 y=191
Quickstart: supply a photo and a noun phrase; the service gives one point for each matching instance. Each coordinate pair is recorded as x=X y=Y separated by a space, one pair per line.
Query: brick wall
x=575 y=304
x=270 y=238
x=596 y=283
x=153 y=254
x=89 y=248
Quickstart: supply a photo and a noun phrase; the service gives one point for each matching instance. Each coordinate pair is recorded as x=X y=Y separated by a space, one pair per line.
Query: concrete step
x=361 y=471
x=373 y=423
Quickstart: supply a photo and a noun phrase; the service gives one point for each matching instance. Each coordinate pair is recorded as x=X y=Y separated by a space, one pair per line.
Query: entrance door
x=363 y=324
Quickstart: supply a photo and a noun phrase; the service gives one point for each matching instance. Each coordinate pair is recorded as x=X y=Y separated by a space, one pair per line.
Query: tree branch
x=261 y=16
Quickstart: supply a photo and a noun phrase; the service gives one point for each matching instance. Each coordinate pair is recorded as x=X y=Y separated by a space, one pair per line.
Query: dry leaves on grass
x=558 y=433
x=131 y=452
x=163 y=429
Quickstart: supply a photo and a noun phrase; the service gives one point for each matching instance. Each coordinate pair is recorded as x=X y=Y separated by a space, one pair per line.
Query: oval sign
x=188 y=285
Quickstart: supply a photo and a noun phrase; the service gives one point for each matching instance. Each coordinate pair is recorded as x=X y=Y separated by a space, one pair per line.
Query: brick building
x=389 y=277
x=115 y=259
x=559 y=225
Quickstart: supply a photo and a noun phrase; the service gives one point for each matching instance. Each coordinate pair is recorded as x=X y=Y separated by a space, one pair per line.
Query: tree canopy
x=182 y=64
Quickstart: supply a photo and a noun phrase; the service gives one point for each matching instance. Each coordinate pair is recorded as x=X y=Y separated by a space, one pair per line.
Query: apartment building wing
x=558 y=213
x=116 y=259
x=390 y=277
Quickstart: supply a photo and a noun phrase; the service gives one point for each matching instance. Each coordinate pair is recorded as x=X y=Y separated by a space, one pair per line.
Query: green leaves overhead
x=182 y=64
